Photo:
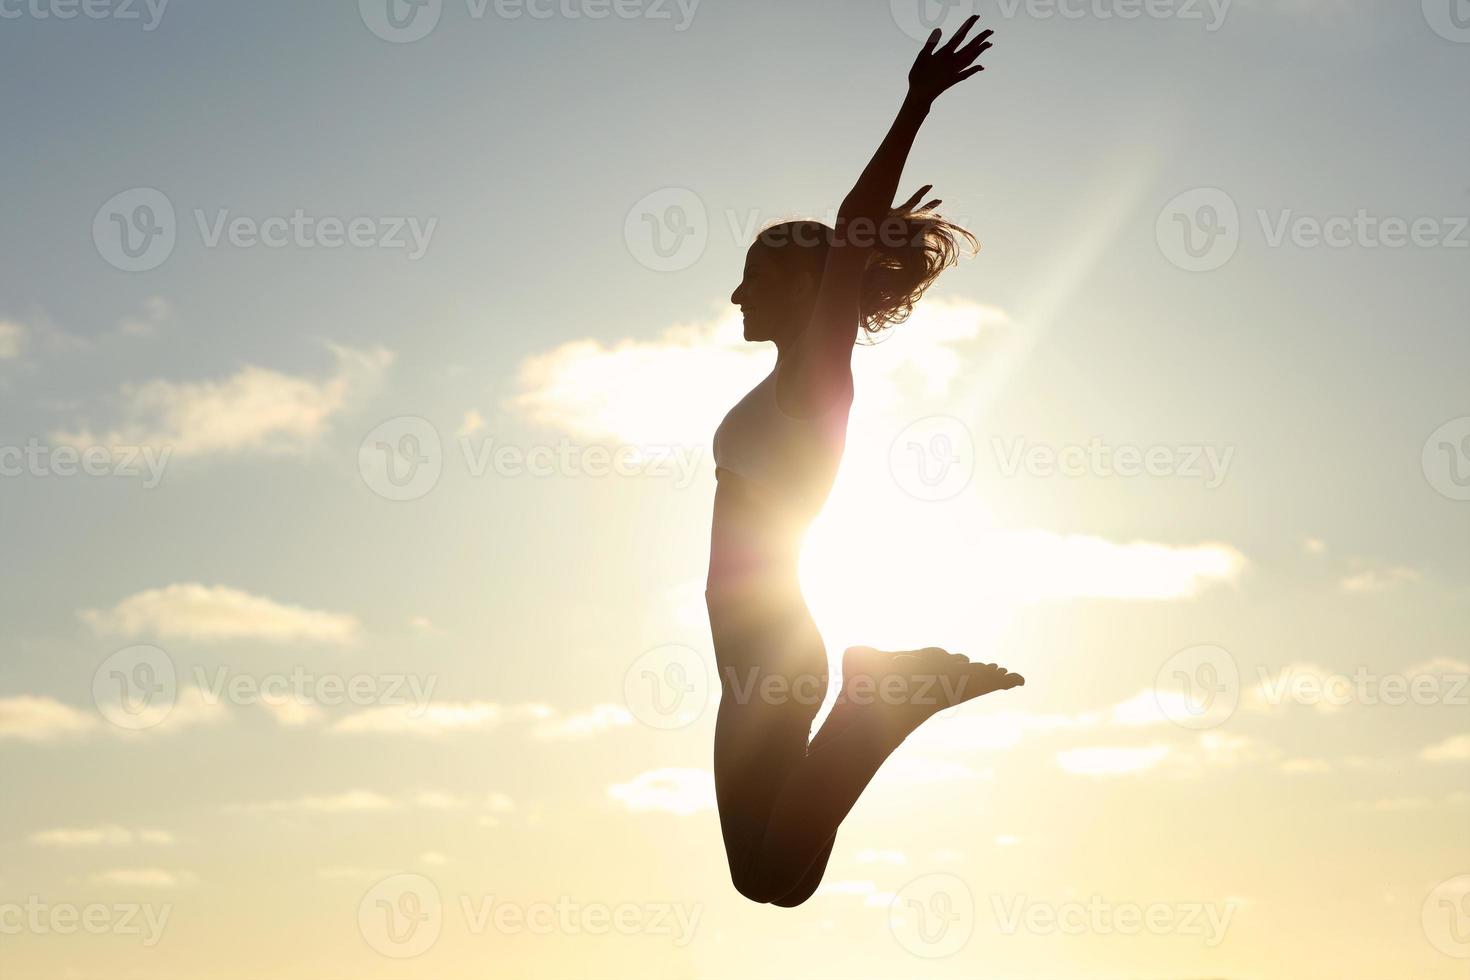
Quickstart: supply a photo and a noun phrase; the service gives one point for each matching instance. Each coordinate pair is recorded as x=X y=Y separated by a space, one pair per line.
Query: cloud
x=951 y=357
x=254 y=410
x=1380 y=579
x=465 y=717
x=1297 y=767
x=156 y=312
x=107 y=835
x=350 y=873
x=12 y=339
x=41 y=719
x=678 y=791
x=198 y=612
x=1107 y=760
x=436 y=800
x=473 y=422
x=599 y=719
x=351 y=801
x=1397 y=804
x=624 y=391
x=290 y=710
x=146 y=878
x=434 y=721
x=1456 y=748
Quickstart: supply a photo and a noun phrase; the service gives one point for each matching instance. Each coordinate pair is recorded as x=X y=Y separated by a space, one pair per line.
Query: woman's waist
x=754 y=542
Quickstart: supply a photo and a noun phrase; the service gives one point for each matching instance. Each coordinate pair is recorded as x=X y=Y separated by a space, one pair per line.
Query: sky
x=358 y=366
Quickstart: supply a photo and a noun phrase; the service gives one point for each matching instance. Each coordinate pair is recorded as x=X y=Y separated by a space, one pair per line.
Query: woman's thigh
x=773 y=671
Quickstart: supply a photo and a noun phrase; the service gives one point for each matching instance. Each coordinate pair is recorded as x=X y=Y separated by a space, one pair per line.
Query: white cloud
x=199 y=612
x=598 y=719
x=1297 y=767
x=354 y=801
x=437 y=800
x=156 y=312
x=583 y=387
x=1397 y=804
x=434 y=721
x=146 y=878
x=1380 y=579
x=107 y=835
x=41 y=719
x=847 y=887
x=1106 y=760
x=433 y=859
x=950 y=358
x=290 y=710
x=1314 y=546
x=1456 y=748
x=678 y=791
x=473 y=422
x=12 y=339
x=341 y=872
x=254 y=410
x=351 y=801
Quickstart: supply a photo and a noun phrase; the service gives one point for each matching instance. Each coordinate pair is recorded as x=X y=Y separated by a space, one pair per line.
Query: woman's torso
x=774 y=473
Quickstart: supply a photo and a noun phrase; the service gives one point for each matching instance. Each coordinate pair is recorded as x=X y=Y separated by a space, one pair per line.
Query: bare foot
x=897 y=691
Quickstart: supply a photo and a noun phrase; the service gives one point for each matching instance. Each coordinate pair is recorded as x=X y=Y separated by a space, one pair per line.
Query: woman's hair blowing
x=909 y=251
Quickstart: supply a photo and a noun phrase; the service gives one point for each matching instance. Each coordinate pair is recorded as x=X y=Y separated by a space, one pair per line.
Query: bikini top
x=780 y=455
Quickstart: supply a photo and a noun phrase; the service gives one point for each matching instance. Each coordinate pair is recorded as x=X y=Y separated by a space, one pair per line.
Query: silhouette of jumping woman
x=810 y=289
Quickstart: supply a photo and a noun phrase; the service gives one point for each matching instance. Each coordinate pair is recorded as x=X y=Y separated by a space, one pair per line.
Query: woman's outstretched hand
x=937 y=69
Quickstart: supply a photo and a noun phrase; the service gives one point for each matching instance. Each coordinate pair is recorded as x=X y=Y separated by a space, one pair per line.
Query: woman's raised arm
x=825 y=364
